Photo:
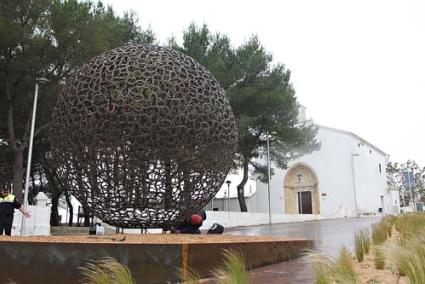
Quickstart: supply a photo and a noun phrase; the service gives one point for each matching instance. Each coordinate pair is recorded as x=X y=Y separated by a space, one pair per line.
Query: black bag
x=216 y=229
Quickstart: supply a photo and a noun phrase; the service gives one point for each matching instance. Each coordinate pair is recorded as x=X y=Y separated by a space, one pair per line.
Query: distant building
x=345 y=178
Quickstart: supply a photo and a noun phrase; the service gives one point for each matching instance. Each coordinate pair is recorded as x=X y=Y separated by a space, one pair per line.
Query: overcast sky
x=356 y=65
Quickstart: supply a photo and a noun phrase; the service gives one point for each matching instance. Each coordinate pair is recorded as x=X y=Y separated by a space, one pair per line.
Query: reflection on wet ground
x=329 y=236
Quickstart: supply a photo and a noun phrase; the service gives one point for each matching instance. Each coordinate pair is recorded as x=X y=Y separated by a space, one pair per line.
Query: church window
x=380 y=170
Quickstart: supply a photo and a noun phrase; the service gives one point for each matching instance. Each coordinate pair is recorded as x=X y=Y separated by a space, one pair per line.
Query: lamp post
x=27 y=178
x=268 y=174
x=228 y=194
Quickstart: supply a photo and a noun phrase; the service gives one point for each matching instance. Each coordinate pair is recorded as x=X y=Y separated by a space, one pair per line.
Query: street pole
x=27 y=179
x=228 y=194
x=268 y=177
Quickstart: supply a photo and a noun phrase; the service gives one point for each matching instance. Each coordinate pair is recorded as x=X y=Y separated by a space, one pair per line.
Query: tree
x=48 y=38
x=262 y=98
x=395 y=180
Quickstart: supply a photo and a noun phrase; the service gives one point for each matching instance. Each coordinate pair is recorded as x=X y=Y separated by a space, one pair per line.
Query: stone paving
x=329 y=235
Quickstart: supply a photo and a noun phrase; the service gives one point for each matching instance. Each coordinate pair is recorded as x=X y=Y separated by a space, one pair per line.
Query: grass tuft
x=233 y=270
x=323 y=268
x=344 y=267
x=106 y=271
x=379 y=257
x=328 y=270
x=366 y=241
x=379 y=233
x=359 y=246
x=409 y=259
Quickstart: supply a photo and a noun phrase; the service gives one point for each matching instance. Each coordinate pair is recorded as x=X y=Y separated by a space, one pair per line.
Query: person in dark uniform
x=191 y=225
x=8 y=204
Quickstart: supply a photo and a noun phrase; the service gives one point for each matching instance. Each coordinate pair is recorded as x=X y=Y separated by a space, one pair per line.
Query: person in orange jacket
x=191 y=225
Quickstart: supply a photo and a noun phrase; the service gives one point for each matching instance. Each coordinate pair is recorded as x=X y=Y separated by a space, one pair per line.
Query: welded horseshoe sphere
x=143 y=136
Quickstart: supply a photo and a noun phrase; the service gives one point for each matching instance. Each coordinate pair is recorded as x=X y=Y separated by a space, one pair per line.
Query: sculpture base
x=151 y=258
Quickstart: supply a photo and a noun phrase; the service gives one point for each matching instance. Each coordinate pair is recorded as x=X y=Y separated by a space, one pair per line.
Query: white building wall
x=346 y=166
x=332 y=166
x=370 y=179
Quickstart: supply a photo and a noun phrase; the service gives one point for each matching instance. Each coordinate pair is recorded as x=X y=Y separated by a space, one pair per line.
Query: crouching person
x=191 y=225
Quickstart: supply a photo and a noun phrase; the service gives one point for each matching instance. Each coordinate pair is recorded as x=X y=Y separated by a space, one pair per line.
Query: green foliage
x=47 y=38
x=323 y=268
x=409 y=259
x=190 y=276
x=106 y=271
x=410 y=224
x=261 y=95
x=359 y=246
x=409 y=255
x=366 y=241
x=328 y=270
x=344 y=268
x=394 y=180
x=379 y=233
x=233 y=270
x=379 y=257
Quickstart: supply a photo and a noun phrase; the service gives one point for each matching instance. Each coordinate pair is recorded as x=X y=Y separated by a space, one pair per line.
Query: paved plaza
x=329 y=236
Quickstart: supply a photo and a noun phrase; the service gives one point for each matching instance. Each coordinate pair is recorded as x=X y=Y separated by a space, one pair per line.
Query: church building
x=346 y=177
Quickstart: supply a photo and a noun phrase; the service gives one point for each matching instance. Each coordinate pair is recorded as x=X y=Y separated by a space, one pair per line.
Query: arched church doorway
x=301 y=191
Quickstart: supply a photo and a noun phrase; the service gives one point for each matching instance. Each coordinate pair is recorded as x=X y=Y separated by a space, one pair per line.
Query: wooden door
x=305 y=202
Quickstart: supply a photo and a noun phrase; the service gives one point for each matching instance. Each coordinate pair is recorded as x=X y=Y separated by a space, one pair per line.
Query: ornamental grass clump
x=409 y=225
x=329 y=271
x=359 y=246
x=409 y=258
x=233 y=270
x=344 y=268
x=379 y=257
x=323 y=267
x=106 y=271
x=189 y=276
x=379 y=233
x=366 y=241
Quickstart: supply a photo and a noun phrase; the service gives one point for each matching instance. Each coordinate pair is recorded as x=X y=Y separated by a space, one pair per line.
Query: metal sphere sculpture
x=143 y=136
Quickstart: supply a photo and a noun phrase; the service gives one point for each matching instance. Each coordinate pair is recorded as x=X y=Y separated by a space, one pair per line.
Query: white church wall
x=332 y=166
x=370 y=179
x=277 y=200
x=346 y=166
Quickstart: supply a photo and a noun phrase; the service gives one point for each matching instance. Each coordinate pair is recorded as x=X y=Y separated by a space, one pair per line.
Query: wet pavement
x=329 y=236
